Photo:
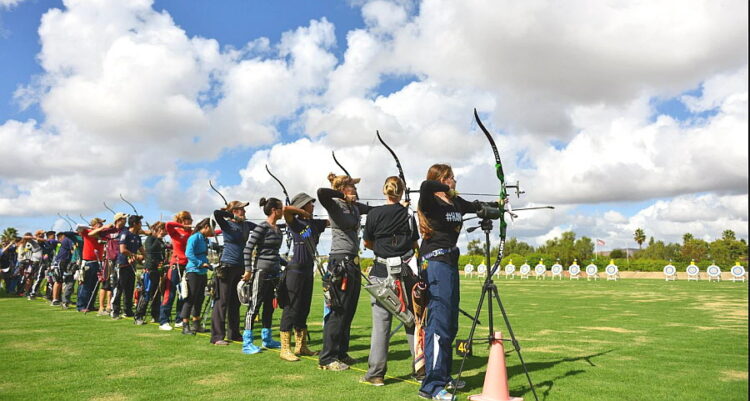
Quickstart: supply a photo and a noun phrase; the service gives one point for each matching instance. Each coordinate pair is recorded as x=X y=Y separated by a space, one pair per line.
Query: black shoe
x=197 y=327
x=139 y=322
x=186 y=330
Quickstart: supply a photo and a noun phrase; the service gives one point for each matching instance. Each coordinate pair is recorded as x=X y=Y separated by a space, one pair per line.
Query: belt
x=439 y=252
x=405 y=258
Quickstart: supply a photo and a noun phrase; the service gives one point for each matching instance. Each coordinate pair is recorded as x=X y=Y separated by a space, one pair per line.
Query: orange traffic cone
x=496 y=379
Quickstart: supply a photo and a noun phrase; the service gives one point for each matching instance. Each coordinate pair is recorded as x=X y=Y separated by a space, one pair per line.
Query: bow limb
x=283 y=188
x=108 y=208
x=333 y=153
x=503 y=190
x=398 y=166
x=217 y=191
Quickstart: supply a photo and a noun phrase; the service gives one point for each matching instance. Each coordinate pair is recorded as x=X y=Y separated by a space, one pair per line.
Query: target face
x=612 y=270
x=556 y=268
x=591 y=269
x=738 y=271
x=482 y=268
x=692 y=270
x=713 y=270
x=669 y=270
x=510 y=269
x=525 y=269
x=574 y=269
x=540 y=269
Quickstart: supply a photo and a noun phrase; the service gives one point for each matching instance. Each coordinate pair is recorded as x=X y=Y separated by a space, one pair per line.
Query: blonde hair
x=436 y=172
x=338 y=182
x=182 y=216
x=393 y=187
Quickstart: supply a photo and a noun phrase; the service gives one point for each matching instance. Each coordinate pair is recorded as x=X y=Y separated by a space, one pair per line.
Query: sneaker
x=443 y=395
x=65 y=305
x=55 y=303
x=102 y=313
x=335 y=366
x=426 y=396
x=31 y=297
x=221 y=342
x=458 y=384
x=375 y=381
x=165 y=327
x=139 y=322
x=178 y=324
x=116 y=316
x=349 y=360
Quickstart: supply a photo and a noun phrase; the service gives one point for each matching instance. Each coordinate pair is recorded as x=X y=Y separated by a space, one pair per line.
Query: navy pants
x=442 y=325
x=90 y=272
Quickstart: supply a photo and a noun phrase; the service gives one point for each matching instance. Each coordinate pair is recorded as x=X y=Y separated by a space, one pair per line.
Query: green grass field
x=625 y=340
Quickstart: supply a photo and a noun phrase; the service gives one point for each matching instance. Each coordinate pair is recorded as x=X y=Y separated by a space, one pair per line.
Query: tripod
x=489 y=290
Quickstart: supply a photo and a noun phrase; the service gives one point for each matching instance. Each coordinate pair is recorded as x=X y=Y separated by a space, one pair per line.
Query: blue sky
x=406 y=68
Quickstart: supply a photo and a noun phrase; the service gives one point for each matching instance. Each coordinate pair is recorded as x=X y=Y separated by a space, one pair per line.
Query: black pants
x=263 y=285
x=124 y=288
x=227 y=306
x=196 y=292
x=150 y=294
x=299 y=285
x=338 y=323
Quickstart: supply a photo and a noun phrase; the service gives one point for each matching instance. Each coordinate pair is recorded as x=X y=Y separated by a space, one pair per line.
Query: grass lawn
x=625 y=340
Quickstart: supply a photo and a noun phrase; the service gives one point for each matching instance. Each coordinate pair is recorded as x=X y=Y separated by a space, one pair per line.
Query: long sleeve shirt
x=155 y=250
x=235 y=236
x=262 y=249
x=344 y=218
x=445 y=219
x=196 y=252
x=179 y=236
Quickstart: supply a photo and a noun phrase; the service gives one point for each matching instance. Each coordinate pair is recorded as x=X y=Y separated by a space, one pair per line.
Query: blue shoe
x=268 y=342
x=443 y=395
x=247 y=343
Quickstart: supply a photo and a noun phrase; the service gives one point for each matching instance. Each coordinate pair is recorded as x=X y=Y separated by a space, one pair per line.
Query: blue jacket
x=196 y=252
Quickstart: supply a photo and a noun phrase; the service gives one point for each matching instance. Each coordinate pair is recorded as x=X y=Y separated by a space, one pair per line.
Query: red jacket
x=179 y=236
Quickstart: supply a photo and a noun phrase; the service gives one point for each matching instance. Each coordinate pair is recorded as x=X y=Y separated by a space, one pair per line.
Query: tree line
x=566 y=248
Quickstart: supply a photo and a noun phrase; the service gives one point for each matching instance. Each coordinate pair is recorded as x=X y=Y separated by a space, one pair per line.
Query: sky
x=622 y=115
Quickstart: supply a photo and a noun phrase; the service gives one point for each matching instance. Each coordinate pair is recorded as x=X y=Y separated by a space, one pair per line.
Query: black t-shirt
x=309 y=228
x=392 y=232
x=155 y=252
x=445 y=219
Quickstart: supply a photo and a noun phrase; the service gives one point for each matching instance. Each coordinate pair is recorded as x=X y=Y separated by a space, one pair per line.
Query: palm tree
x=640 y=237
x=9 y=234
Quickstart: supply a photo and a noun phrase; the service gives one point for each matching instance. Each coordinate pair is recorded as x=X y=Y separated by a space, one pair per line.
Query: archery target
x=692 y=270
x=713 y=271
x=557 y=269
x=525 y=268
x=574 y=270
x=592 y=269
x=612 y=270
x=738 y=271
x=510 y=268
x=482 y=268
x=669 y=270
x=540 y=269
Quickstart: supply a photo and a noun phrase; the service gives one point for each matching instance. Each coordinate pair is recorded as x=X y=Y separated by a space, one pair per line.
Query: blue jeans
x=85 y=290
x=171 y=281
x=442 y=325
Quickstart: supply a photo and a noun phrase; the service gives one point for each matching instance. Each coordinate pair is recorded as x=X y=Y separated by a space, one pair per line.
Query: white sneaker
x=178 y=324
x=165 y=327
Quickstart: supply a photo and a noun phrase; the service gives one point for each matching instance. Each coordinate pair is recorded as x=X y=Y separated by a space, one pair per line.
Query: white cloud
x=136 y=96
x=8 y=4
